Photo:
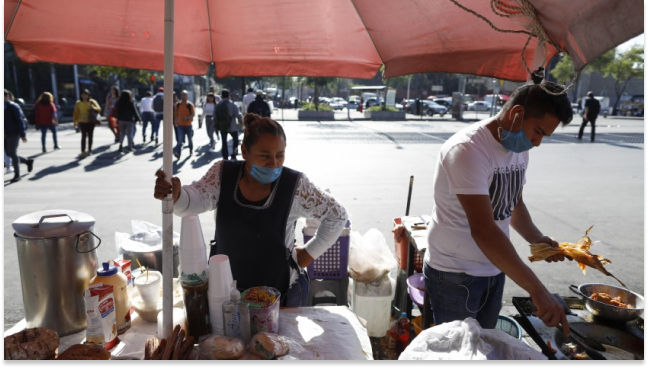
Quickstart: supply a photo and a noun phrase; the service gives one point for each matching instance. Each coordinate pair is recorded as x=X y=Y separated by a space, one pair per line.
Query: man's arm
x=497 y=247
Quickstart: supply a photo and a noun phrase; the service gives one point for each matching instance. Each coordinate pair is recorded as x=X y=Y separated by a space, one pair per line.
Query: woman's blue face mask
x=265 y=175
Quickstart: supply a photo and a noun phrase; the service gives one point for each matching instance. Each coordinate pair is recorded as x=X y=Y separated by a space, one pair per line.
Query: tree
x=623 y=68
x=564 y=69
x=114 y=74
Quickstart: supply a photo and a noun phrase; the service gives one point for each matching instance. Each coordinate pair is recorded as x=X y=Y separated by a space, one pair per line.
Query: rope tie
x=502 y=9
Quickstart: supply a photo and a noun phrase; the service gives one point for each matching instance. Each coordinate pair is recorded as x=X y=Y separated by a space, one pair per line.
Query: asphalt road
x=367 y=166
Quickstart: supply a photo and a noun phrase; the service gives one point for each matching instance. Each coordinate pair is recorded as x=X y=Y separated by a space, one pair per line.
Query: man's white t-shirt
x=471 y=162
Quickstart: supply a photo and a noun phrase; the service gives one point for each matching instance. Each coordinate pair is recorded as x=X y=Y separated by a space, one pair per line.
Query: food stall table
x=416 y=231
x=325 y=333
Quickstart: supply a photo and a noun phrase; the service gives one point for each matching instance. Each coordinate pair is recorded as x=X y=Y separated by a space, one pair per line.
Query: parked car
x=432 y=108
x=340 y=101
x=353 y=102
x=445 y=102
x=479 y=106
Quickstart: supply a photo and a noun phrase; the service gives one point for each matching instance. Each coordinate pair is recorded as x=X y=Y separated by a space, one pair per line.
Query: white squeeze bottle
x=236 y=316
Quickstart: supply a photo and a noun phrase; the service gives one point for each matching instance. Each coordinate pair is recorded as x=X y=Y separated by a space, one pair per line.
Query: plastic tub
x=263 y=319
x=416 y=289
x=510 y=326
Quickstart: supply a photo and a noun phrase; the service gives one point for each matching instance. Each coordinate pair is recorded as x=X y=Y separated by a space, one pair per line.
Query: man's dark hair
x=537 y=102
x=148 y=94
x=7 y=93
x=590 y=94
x=250 y=89
x=225 y=93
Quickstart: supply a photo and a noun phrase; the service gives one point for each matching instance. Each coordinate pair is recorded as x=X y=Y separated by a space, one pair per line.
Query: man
x=590 y=113
x=247 y=100
x=183 y=117
x=14 y=131
x=227 y=114
x=148 y=115
x=478 y=193
x=259 y=106
x=158 y=109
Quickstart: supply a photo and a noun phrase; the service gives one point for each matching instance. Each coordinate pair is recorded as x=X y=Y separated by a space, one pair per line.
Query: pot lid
x=53 y=224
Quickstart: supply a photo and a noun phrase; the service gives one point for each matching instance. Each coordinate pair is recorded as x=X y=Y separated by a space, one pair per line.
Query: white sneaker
x=9 y=170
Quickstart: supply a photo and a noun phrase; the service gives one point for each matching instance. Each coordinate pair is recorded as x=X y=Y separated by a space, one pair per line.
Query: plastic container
x=510 y=326
x=334 y=263
x=236 y=316
x=416 y=289
x=375 y=309
x=110 y=275
x=401 y=253
x=263 y=319
x=149 y=287
x=403 y=327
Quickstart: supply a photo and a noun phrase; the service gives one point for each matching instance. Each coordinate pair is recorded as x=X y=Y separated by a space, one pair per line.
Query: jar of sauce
x=110 y=275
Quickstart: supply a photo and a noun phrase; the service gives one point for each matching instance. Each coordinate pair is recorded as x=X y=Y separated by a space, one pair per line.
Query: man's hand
x=163 y=188
x=554 y=244
x=550 y=311
x=24 y=139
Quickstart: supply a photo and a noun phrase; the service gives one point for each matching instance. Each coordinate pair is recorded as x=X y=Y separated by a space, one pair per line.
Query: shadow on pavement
x=205 y=157
x=56 y=169
x=103 y=159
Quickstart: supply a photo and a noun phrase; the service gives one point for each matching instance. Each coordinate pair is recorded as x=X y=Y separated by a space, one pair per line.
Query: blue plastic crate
x=333 y=264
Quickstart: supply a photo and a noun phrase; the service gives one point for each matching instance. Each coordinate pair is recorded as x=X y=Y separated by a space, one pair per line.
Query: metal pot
x=57 y=259
x=153 y=259
x=608 y=311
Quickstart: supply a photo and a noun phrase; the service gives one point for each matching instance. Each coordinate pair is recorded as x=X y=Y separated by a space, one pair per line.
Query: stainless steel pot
x=57 y=259
x=608 y=311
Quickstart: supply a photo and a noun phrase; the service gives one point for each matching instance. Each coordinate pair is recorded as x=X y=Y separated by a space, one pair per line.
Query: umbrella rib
x=13 y=16
x=209 y=30
x=368 y=34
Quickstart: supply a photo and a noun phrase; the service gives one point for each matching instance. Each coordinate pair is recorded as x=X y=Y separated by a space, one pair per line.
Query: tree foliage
x=113 y=74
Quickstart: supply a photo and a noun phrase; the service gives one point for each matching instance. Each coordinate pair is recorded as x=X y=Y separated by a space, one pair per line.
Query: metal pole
x=409 y=195
x=76 y=82
x=409 y=79
x=54 y=83
x=348 y=96
x=167 y=203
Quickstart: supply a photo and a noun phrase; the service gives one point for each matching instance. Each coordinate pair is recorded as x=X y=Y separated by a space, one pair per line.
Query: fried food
x=608 y=299
x=579 y=252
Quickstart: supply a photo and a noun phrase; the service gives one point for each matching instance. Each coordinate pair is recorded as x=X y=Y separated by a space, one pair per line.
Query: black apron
x=253 y=237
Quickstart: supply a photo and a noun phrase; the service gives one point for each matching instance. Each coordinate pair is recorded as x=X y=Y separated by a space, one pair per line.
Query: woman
x=126 y=115
x=111 y=99
x=258 y=202
x=81 y=120
x=209 y=109
x=46 y=118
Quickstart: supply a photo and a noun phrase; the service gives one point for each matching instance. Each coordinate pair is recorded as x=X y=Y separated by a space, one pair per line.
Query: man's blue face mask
x=265 y=175
x=515 y=142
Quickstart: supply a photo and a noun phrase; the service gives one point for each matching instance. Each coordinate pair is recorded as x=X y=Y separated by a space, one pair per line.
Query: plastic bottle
x=110 y=275
x=236 y=316
x=402 y=332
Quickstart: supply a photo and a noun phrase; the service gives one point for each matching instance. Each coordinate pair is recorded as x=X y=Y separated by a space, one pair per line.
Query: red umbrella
x=340 y=38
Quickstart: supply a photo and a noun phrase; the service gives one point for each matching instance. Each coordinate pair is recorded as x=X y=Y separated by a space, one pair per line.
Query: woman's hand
x=163 y=188
x=303 y=258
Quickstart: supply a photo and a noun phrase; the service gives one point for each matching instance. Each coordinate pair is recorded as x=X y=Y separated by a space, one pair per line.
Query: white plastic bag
x=146 y=237
x=369 y=256
x=466 y=340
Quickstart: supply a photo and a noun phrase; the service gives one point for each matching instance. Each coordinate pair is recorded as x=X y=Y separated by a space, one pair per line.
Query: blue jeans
x=457 y=296
x=235 y=143
x=44 y=129
x=184 y=131
x=156 y=124
x=298 y=292
x=147 y=116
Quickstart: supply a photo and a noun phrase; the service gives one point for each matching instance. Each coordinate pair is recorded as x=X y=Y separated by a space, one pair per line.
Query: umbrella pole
x=167 y=203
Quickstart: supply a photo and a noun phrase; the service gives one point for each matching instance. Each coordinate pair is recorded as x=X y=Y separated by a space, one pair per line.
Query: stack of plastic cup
x=220 y=283
x=193 y=252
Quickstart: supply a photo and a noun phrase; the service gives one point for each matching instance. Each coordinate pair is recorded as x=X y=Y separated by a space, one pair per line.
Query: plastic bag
x=466 y=340
x=267 y=345
x=146 y=237
x=369 y=256
x=217 y=347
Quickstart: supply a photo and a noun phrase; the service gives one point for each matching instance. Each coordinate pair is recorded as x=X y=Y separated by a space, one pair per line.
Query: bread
x=31 y=344
x=221 y=348
x=85 y=352
x=268 y=345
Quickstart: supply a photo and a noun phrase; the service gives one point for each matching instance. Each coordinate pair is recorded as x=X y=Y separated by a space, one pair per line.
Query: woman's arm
x=312 y=202
x=202 y=195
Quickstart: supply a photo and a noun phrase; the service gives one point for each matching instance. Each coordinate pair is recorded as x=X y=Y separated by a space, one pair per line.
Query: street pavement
x=367 y=165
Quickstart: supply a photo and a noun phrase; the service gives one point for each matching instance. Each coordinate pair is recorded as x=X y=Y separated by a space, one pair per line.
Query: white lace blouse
x=309 y=202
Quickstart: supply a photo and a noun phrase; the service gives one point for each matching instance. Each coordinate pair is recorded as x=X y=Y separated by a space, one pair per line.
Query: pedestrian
x=478 y=194
x=111 y=99
x=183 y=118
x=14 y=132
x=227 y=114
x=209 y=108
x=257 y=203
x=259 y=106
x=158 y=109
x=7 y=163
x=590 y=113
x=247 y=100
x=82 y=120
x=147 y=114
x=126 y=115
x=46 y=118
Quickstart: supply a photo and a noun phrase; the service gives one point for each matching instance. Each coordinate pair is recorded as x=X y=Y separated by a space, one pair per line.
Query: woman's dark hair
x=255 y=126
x=45 y=98
x=87 y=92
x=211 y=95
x=537 y=102
x=125 y=101
x=116 y=89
